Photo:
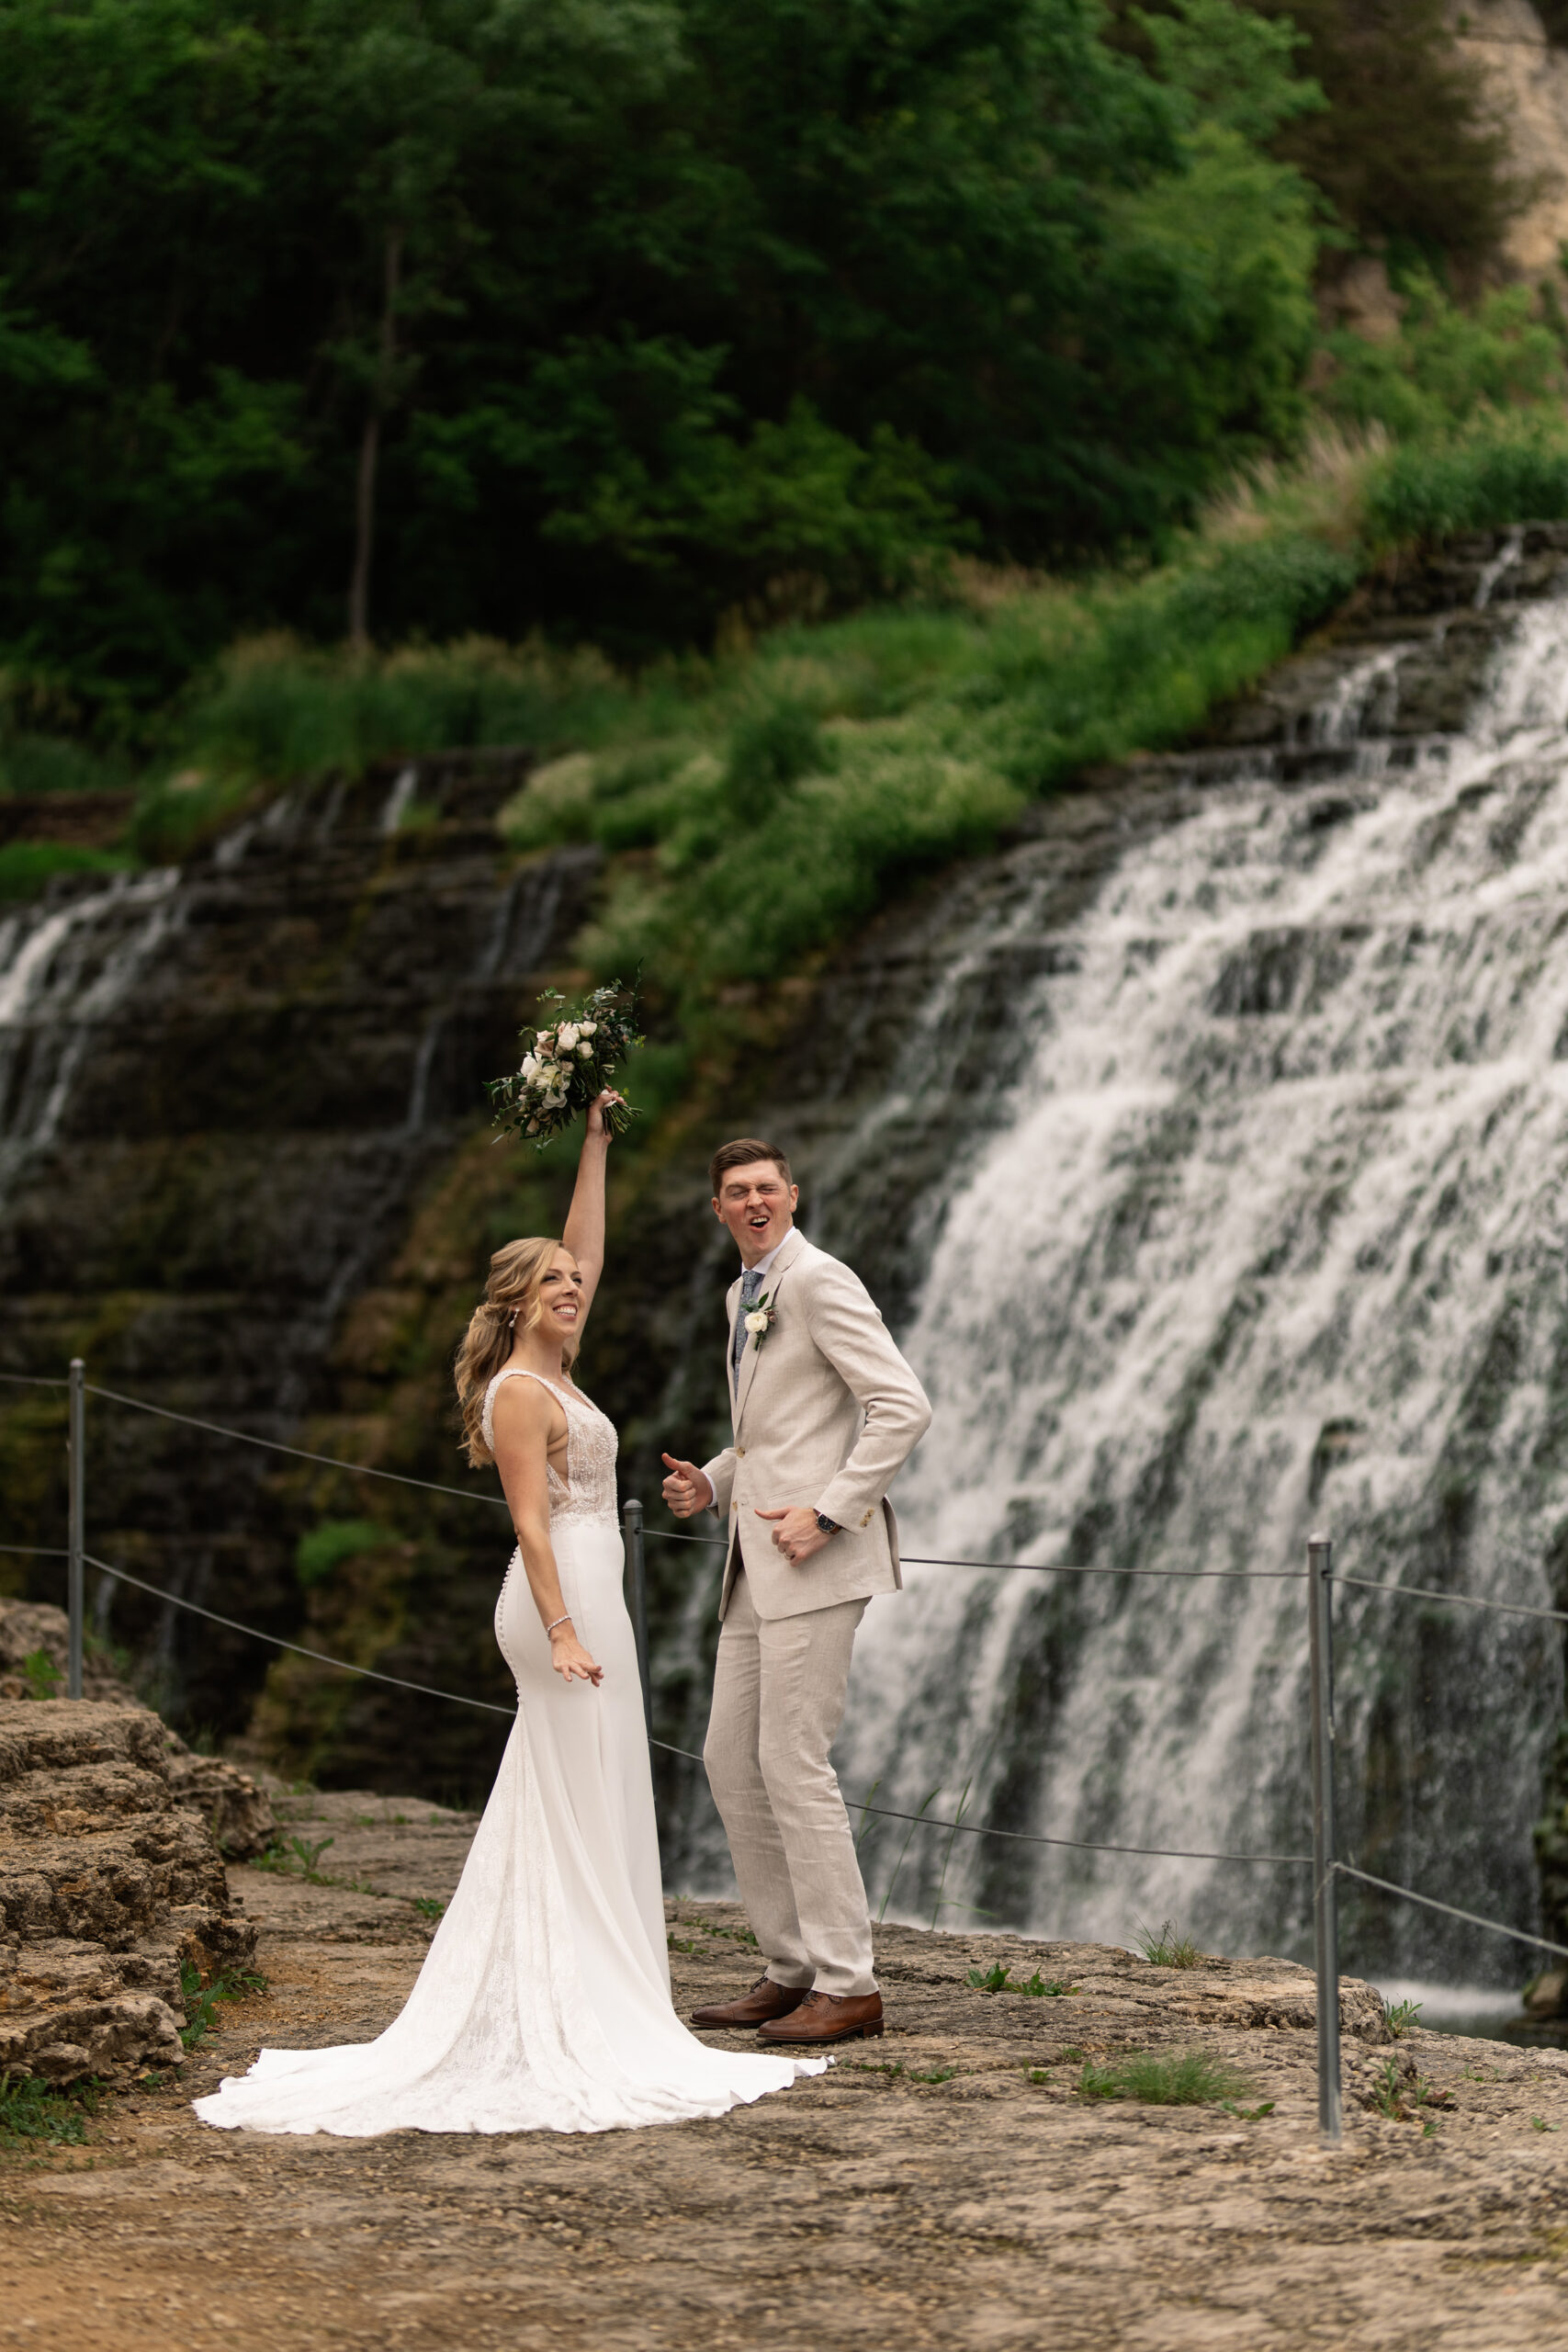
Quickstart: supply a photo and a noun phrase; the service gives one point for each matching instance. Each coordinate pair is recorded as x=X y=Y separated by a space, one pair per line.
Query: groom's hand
x=797 y=1533
x=687 y=1488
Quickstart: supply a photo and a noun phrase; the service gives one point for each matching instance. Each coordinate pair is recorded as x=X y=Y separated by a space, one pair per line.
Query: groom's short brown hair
x=744 y=1153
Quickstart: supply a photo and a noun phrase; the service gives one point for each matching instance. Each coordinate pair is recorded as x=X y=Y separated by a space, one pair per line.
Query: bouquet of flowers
x=567 y=1065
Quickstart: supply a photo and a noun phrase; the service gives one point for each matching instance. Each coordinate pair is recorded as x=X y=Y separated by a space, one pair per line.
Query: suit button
x=740 y=1451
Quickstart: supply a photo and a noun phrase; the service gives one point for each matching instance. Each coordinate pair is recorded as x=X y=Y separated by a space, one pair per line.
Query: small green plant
x=991 y=1980
x=1037 y=2073
x=201 y=2001
x=932 y=2075
x=1071 y=2056
x=1387 y=2090
x=892 y=2067
x=31 y=2109
x=1403 y=2099
x=41 y=1675
x=1163 y=1948
x=1540 y=2123
x=1400 y=2017
x=1247 y=2114
x=299 y=1854
x=428 y=1907
x=997 y=1978
x=1165 y=2078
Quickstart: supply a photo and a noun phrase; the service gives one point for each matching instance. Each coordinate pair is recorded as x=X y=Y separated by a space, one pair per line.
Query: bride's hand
x=597 y=1109
x=570 y=1660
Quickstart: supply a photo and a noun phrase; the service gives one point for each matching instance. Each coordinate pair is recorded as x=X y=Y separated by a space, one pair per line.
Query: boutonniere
x=760 y=1320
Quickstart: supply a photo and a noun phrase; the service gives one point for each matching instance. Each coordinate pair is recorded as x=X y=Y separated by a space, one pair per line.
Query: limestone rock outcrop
x=107 y=1883
x=32 y=1630
x=237 y=1812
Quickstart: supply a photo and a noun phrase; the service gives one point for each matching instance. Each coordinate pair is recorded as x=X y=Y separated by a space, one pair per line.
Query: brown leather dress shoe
x=765 y=2000
x=829 y=2017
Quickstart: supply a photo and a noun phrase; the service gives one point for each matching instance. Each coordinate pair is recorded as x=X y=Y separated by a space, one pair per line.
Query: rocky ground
x=944 y=2186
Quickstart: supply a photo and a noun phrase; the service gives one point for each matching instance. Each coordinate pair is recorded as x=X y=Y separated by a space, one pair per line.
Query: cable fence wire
x=345 y=1666
x=486 y=1706
x=1031 y=1838
x=920 y=1820
x=300 y=1453
x=1034 y=1567
x=1452 y=1910
x=1460 y=1599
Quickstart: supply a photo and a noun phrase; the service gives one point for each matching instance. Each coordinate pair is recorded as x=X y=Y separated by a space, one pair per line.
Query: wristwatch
x=829 y=1526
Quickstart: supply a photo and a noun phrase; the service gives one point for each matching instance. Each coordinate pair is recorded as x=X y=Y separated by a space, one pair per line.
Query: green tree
x=421 y=113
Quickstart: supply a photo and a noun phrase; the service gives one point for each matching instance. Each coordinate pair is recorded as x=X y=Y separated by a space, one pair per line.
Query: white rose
x=756 y=1320
x=586 y=1052
x=543 y=1042
x=530 y=1067
x=566 y=1036
x=587 y=1028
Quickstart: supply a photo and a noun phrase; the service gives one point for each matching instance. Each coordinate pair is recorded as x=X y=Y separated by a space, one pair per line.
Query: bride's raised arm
x=584 y=1234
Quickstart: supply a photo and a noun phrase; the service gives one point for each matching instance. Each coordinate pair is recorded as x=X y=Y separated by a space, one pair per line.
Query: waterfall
x=64 y=970
x=1268 y=1228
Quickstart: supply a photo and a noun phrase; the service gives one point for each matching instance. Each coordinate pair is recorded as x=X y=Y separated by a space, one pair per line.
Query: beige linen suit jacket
x=825 y=1413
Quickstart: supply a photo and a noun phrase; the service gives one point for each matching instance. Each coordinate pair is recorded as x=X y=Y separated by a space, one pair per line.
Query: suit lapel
x=788 y=1251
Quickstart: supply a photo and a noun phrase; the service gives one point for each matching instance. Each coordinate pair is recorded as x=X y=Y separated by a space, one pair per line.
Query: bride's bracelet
x=559 y=1620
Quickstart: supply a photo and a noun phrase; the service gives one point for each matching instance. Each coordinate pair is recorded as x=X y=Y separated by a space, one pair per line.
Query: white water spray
x=1272 y=1232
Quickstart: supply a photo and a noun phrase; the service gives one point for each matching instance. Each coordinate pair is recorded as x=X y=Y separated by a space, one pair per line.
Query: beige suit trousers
x=778 y=1700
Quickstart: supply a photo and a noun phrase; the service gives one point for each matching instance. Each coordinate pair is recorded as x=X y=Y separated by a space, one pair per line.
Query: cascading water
x=1270 y=1231
x=61 y=970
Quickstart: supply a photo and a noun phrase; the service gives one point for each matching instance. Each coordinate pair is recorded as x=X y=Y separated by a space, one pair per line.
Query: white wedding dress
x=544 y=2001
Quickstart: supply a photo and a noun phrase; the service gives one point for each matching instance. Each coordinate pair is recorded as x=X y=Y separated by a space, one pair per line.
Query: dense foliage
x=613 y=315
x=755 y=806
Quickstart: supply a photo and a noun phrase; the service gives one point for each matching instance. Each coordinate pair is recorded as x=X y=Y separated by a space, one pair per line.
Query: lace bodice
x=588 y=1490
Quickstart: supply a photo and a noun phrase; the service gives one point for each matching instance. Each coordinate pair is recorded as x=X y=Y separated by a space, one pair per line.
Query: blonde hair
x=510 y=1308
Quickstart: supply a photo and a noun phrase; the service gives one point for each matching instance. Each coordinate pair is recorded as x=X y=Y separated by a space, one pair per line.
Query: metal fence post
x=76 y=1463
x=1324 y=1877
x=631 y=1516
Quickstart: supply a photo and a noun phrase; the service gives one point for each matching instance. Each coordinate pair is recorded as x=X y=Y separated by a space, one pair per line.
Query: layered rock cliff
x=107 y=1886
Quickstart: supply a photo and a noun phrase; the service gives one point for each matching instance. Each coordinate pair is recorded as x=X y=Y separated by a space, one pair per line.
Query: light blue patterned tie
x=750 y=1283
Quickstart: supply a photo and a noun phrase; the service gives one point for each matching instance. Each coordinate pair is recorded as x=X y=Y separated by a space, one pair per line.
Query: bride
x=544 y=2001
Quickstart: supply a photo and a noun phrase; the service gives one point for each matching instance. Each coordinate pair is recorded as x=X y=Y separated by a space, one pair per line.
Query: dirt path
x=946 y=2187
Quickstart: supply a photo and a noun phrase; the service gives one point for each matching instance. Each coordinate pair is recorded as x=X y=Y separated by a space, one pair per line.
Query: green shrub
x=27 y=868
x=39 y=763
x=42 y=1675
x=1499 y=472
x=1446 y=366
x=335 y=1540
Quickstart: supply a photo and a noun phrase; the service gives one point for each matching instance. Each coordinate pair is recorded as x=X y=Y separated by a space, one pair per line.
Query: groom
x=825 y=1411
